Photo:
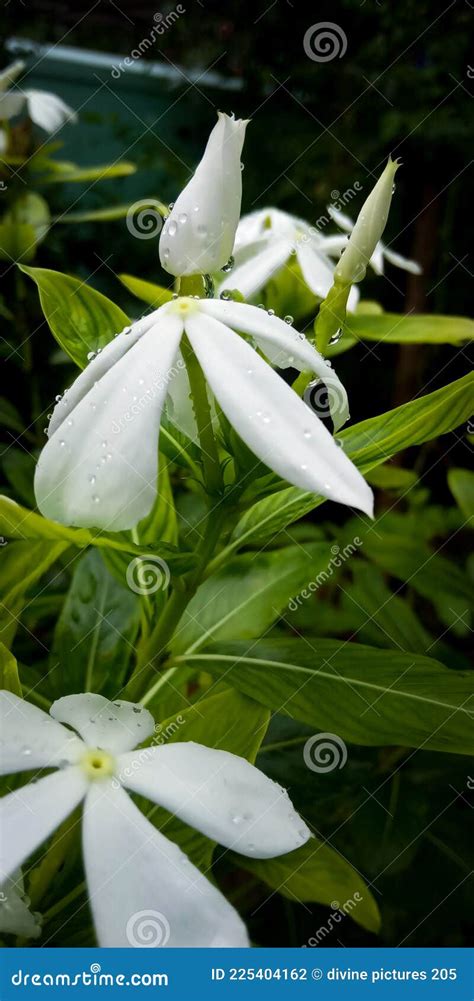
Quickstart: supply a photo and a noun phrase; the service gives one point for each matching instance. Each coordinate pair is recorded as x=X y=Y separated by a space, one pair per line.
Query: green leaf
x=17 y=242
x=316 y=872
x=368 y=444
x=397 y=328
x=64 y=172
x=95 y=633
x=16 y=522
x=247 y=595
x=109 y=214
x=392 y=478
x=9 y=680
x=384 y=617
x=364 y=695
x=461 y=485
x=80 y=318
x=19 y=467
x=21 y=566
x=426 y=571
x=228 y=722
x=154 y=295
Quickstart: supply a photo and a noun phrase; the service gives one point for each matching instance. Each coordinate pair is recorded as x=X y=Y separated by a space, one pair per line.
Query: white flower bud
x=368 y=229
x=198 y=235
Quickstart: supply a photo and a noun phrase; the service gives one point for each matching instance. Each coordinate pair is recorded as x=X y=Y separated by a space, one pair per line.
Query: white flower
x=99 y=467
x=45 y=109
x=198 y=235
x=364 y=242
x=339 y=243
x=15 y=915
x=132 y=870
x=266 y=240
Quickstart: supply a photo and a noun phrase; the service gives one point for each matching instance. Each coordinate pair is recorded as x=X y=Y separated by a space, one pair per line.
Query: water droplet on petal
x=307 y=433
x=228 y=267
x=90 y=355
x=96 y=499
x=288 y=319
x=271 y=312
x=172 y=228
x=182 y=218
x=335 y=337
x=92 y=478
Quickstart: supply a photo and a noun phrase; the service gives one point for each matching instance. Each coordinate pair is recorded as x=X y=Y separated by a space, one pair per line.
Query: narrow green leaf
x=362 y=694
x=154 y=295
x=461 y=485
x=9 y=679
x=247 y=595
x=397 y=328
x=316 y=872
x=21 y=566
x=368 y=444
x=96 y=631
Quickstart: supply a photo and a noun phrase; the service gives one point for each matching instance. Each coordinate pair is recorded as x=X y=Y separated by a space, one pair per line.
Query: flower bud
x=368 y=229
x=198 y=235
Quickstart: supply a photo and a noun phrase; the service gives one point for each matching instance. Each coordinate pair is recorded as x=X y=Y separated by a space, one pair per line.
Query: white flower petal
x=143 y=890
x=12 y=103
x=100 y=467
x=317 y=270
x=218 y=793
x=333 y=245
x=10 y=73
x=48 y=110
x=251 y=227
x=99 y=366
x=254 y=274
x=402 y=262
x=273 y=421
x=341 y=219
x=198 y=235
x=112 y=726
x=30 y=814
x=15 y=915
x=376 y=261
x=282 y=344
x=31 y=739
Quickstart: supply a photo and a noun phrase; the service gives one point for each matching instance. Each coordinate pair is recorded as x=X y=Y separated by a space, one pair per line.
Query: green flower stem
x=332 y=313
x=155 y=646
x=202 y=412
x=157 y=643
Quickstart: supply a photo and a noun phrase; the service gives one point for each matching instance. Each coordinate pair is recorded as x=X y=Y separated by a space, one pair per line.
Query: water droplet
x=336 y=337
x=96 y=499
x=303 y=465
x=307 y=433
x=228 y=267
x=182 y=218
x=58 y=398
x=104 y=444
x=250 y=371
x=226 y=295
x=92 y=478
x=49 y=416
x=175 y=295
x=26 y=751
x=93 y=406
x=166 y=254
x=62 y=443
x=237 y=818
x=171 y=206
x=340 y=444
x=172 y=228
x=242 y=166
x=266 y=419
x=137 y=709
x=109 y=456
x=271 y=312
x=202 y=230
x=70 y=423
x=90 y=355
x=288 y=319
x=261 y=305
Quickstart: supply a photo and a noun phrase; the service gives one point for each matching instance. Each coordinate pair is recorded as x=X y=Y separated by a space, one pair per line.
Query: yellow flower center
x=184 y=306
x=98 y=764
